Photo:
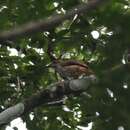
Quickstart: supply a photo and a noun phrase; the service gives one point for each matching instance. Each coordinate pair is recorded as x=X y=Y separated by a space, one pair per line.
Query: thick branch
x=51 y=22
x=54 y=92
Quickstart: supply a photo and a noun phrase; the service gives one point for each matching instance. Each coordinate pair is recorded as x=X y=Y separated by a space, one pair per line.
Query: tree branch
x=53 y=93
x=44 y=25
x=56 y=92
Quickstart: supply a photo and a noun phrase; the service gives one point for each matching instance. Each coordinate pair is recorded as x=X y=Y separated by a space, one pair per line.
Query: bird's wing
x=74 y=62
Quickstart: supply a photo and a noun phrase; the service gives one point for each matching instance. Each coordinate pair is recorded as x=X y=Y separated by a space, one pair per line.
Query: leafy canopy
x=23 y=73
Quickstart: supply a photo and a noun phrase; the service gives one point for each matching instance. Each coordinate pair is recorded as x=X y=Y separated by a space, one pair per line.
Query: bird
x=67 y=68
x=71 y=69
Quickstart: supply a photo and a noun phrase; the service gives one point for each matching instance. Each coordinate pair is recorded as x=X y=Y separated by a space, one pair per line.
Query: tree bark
x=54 y=92
x=49 y=23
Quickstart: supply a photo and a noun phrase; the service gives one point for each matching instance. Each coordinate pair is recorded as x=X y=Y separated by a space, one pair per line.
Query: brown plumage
x=67 y=69
x=71 y=69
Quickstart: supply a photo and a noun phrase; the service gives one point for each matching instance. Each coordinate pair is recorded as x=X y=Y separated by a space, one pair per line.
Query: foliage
x=106 y=104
